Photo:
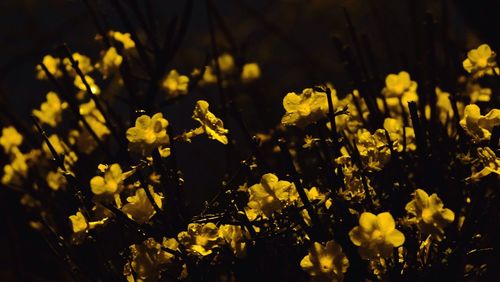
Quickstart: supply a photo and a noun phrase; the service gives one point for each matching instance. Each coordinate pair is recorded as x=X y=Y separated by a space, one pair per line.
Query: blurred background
x=290 y=39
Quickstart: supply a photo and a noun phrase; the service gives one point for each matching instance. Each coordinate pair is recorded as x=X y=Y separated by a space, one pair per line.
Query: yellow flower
x=55 y=180
x=477 y=93
x=443 y=105
x=201 y=239
x=481 y=61
x=149 y=133
x=10 y=139
x=62 y=149
x=17 y=170
x=52 y=65
x=429 y=214
x=80 y=224
x=235 y=237
x=148 y=259
x=325 y=262
x=124 y=38
x=250 y=72
x=489 y=162
x=110 y=62
x=269 y=196
x=306 y=108
x=139 y=208
x=211 y=125
x=314 y=194
x=373 y=149
x=51 y=111
x=477 y=125
x=175 y=84
x=309 y=141
x=110 y=184
x=84 y=64
x=376 y=235
x=395 y=129
x=226 y=63
x=397 y=85
x=78 y=82
x=94 y=118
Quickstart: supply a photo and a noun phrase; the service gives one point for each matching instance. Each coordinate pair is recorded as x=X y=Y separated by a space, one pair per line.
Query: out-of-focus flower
x=429 y=214
x=226 y=67
x=376 y=235
x=124 y=38
x=270 y=195
x=305 y=108
x=17 y=170
x=325 y=262
x=395 y=129
x=110 y=62
x=110 y=183
x=51 y=111
x=399 y=90
x=149 y=133
x=10 y=139
x=487 y=163
x=148 y=260
x=84 y=64
x=175 y=84
x=78 y=82
x=55 y=180
x=477 y=125
x=250 y=72
x=235 y=237
x=139 y=208
x=94 y=118
x=62 y=149
x=52 y=65
x=309 y=141
x=201 y=239
x=481 y=61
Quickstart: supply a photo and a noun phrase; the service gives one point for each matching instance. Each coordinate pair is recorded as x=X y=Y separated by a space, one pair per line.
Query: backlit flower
x=477 y=125
x=139 y=207
x=325 y=262
x=149 y=133
x=305 y=108
x=376 y=235
x=429 y=214
x=481 y=61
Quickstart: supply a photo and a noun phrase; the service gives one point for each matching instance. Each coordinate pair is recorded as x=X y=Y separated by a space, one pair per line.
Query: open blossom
x=305 y=108
x=149 y=259
x=270 y=195
x=78 y=82
x=376 y=235
x=80 y=224
x=110 y=183
x=201 y=239
x=429 y=214
x=481 y=61
x=210 y=124
x=399 y=86
x=56 y=180
x=17 y=169
x=10 y=139
x=51 y=111
x=175 y=84
x=477 y=125
x=325 y=262
x=149 y=133
x=139 y=207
